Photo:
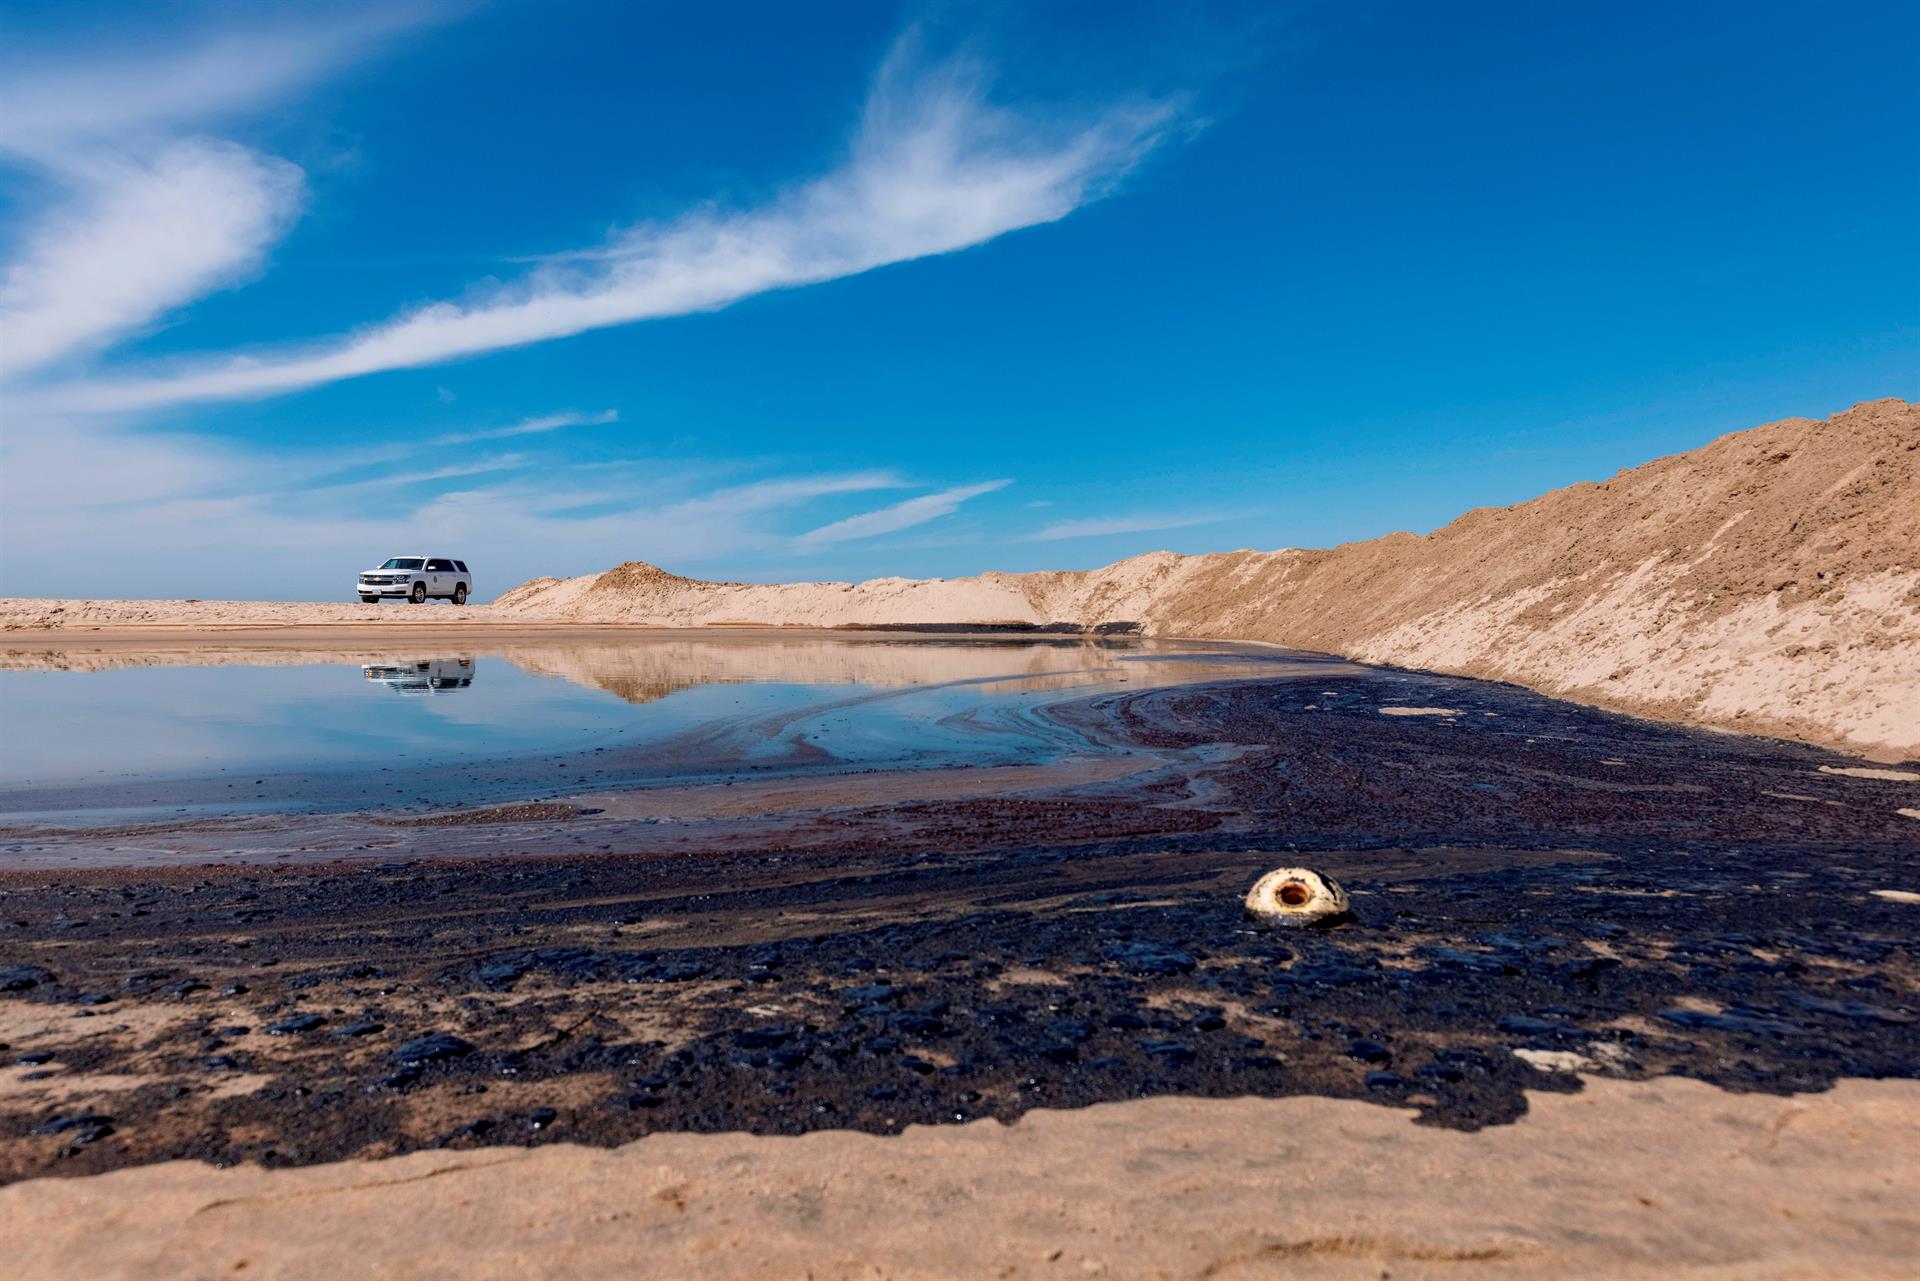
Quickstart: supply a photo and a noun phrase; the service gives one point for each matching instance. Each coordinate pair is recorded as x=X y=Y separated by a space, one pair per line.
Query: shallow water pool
x=118 y=734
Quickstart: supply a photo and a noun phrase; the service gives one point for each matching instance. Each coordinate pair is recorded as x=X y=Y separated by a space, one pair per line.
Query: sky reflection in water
x=844 y=703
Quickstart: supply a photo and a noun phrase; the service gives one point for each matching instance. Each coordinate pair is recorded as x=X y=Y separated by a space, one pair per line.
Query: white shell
x=1295 y=896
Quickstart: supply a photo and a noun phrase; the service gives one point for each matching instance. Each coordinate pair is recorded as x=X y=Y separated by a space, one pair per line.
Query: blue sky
x=777 y=291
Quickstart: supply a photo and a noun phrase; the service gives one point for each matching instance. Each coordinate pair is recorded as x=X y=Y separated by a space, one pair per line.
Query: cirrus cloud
x=903 y=515
x=136 y=237
x=934 y=167
x=1096 y=526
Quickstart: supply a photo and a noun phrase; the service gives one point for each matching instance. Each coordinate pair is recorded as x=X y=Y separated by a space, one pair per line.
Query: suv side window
x=460 y=565
x=440 y=566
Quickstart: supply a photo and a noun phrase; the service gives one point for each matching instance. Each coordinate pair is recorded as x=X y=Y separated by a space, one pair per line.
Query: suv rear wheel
x=419 y=594
x=459 y=593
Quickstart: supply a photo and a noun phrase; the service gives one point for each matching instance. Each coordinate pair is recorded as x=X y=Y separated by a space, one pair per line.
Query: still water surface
x=115 y=734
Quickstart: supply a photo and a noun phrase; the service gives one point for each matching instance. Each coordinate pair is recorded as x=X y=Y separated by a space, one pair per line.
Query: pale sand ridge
x=1767 y=582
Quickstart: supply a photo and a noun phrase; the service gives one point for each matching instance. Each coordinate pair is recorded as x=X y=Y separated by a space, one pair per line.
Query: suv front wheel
x=419 y=594
x=459 y=593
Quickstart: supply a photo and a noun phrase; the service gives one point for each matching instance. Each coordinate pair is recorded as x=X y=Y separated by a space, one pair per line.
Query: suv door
x=441 y=582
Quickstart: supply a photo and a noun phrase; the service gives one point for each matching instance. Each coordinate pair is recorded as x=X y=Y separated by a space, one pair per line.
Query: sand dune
x=1768 y=582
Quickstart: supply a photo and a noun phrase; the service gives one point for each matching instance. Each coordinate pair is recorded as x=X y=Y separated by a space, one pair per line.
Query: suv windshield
x=402 y=562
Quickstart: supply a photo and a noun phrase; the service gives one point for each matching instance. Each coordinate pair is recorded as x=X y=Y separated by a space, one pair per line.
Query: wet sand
x=328 y=629
x=1554 y=904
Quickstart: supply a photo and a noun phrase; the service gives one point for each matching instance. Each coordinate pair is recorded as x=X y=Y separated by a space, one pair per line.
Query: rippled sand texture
x=1658 y=1180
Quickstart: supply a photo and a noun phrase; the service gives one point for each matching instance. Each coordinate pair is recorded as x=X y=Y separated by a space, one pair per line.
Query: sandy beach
x=885 y=1022
x=916 y=948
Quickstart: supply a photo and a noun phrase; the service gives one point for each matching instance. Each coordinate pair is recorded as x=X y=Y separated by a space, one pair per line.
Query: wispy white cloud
x=150 y=88
x=1093 y=527
x=904 y=515
x=531 y=427
x=142 y=217
x=934 y=167
x=135 y=238
x=765 y=494
x=410 y=476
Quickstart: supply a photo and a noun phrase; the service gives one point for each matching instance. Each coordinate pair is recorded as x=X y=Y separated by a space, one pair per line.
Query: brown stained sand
x=692 y=818
x=1768 y=582
x=1668 y=1178
x=753 y=798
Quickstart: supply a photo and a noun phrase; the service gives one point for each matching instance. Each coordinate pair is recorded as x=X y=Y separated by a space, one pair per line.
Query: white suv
x=422 y=676
x=415 y=578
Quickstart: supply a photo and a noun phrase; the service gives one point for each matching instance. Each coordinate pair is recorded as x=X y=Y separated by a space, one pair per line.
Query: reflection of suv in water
x=415 y=578
x=422 y=676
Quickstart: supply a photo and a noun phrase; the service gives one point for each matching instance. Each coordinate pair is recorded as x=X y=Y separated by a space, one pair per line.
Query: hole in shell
x=1294 y=894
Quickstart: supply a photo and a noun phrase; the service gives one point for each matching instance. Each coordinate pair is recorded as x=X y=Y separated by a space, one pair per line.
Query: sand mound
x=1767 y=582
x=635 y=578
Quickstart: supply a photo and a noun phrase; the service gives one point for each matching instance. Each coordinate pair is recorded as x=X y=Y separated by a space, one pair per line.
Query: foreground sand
x=1669 y=1178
